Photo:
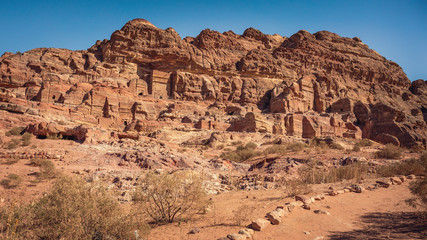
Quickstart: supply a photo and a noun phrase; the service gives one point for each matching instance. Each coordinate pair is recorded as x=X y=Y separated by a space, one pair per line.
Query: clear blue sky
x=395 y=29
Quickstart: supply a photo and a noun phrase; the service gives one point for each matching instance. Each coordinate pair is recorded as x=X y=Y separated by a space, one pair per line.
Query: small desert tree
x=170 y=196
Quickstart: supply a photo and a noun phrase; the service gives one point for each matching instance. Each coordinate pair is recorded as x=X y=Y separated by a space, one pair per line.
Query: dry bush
x=240 y=154
x=10 y=161
x=389 y=151
x=419 y=187
x=364 y=143
x=13 y=219
x=276 y=149
x=75 y=209
x=251 y=145
x=12 y=181
x=26 y=139
x=296 y=147
x=336 y=146
x=356 y=148
x=47 y=168
x=296 y=187
x=14 y=143
x=313 y=175
x=15 y=131
x=168 y=197
x=242 y=215
x=407 y=167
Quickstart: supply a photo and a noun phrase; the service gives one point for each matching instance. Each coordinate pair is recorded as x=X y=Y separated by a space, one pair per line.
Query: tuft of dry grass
x=12 y=181
x=314 y=175
x=389 y=151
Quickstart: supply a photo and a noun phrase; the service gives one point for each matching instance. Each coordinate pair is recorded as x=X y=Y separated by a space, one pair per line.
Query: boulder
x=260 y=224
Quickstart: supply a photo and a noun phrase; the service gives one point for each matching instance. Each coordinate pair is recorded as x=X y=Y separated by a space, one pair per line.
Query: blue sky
x=395 y=29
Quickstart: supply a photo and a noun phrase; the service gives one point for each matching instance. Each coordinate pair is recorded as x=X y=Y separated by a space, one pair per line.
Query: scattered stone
x=290 y=207
x=383 y=184
x=247 y=232
x=194 y=231
x=274 y=218
x=395 y=180
x=322 y=212
x=297 y=204
x=359 y=189
x=346 y=190
x=304 y=199
x=340 y=191
x=318 y=238
x=280 y=212
x=306 y=206
x=412 y=176
x=306 y=232
x=260 y=224
x=236 y=236
x=332 y=193
x=402 y=178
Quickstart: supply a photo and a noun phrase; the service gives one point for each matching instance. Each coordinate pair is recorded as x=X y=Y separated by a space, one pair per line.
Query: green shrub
x=389 y=151
x=167 y=197
x=47 y=170
x=251 y=145
x=239 y=155
x=12 y=181
x=75 y=209
x=15 y=131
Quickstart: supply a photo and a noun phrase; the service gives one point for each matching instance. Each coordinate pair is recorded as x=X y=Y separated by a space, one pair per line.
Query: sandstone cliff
x=307 y=85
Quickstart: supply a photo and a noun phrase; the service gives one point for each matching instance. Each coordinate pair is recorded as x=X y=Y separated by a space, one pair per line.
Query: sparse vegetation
x=10 y=161
x=242 y=214
x=55 y=136
x=75 y=209
x=283 y=149
x=419 y=187
x=11 y=181
x=14 y=143
x=242 y=153
x=407 y=167
x=389 y=151
x=26 y=139
x=47 y=170
x=336 y=146
x=15 y=131
x=167 y=197
x=315 y=175
x=276 y=149
x=296 y=187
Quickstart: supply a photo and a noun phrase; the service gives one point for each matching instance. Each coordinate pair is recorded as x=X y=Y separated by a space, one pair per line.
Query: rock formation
x=143 y=77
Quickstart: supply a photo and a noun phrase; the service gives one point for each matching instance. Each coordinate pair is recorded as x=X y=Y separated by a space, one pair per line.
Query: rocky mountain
x=144 y=78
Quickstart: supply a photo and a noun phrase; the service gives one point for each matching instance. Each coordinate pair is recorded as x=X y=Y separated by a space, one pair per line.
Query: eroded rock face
x=306 y=85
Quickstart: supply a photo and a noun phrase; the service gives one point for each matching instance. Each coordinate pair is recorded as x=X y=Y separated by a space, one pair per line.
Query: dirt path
x=379 y=214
